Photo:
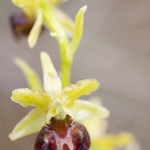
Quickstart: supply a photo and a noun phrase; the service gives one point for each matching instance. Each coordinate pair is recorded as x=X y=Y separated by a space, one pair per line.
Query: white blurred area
x=115 y=49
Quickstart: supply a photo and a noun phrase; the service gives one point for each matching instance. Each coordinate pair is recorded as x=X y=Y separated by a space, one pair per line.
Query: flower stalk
x=67 y=48
x=67 y=33
x=57 y=104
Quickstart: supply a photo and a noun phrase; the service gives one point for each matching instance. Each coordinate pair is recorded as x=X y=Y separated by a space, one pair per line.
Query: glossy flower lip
x=53 y=101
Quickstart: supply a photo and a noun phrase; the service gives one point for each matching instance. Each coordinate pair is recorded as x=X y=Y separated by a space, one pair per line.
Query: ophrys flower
x=53 y=101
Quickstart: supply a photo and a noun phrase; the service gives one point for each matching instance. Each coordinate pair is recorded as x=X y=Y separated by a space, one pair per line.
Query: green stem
x=67 y=48
x=54 y=26
x=66 y=72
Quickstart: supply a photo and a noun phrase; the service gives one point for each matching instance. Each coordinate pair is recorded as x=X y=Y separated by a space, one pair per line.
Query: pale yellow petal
x=52 y=82
x=78 y=30
x=83 y=87
x=36 y=29
x=30 y=74
x=83 y=110
x=27 y=97
x=31 y=123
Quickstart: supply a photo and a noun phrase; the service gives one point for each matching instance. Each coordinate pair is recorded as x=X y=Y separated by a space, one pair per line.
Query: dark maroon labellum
x=21 y=25
x=62 y=135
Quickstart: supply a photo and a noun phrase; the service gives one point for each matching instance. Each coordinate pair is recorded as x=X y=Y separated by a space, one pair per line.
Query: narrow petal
x=52 y=83
x=83 y=87
x=30 y=74
x=31 y=123
x=85 y=109
x=78 y=30
x=36 y=29
x=26 y=97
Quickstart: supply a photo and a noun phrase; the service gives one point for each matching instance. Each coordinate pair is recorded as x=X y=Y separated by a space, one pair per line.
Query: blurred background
x=115 y=49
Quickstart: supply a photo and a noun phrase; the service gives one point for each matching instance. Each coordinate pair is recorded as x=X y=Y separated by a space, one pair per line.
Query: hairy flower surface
x=53 y=101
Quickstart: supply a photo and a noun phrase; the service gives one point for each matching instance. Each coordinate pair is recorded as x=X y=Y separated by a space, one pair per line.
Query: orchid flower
x=67 y=33
x=45 y=12
x=53 y=101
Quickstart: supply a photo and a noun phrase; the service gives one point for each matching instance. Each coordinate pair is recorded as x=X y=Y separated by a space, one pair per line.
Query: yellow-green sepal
x=30 y=74
x=27 y=97
x=77 y=33
x=83 y=87
x=36 y=29
x=31 y=123
x=84 y=109
x=52 y=82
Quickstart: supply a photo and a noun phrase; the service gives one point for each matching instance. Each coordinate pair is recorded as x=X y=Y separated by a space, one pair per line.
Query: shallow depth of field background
x=115 y=49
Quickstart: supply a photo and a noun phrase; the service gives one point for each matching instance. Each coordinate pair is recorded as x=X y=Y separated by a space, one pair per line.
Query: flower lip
x=73 y=136
x=60 y=126
x=20 y=25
